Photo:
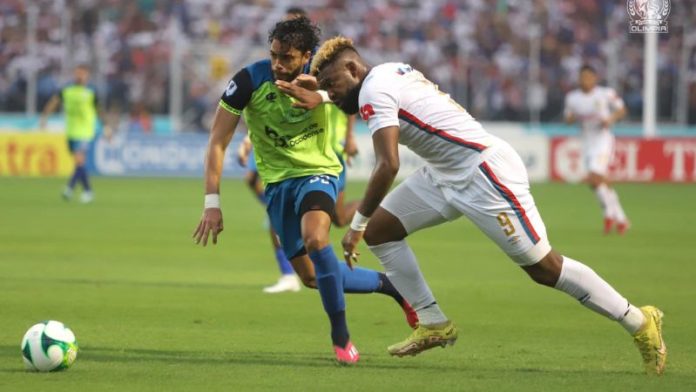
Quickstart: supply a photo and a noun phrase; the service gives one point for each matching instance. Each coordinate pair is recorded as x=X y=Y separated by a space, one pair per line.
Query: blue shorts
x=75 y=145
x=342 y=176
x=251 y=162
x=284 y=201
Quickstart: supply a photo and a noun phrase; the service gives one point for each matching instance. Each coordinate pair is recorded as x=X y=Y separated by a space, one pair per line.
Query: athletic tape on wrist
x=212 y=201
x=359 y=222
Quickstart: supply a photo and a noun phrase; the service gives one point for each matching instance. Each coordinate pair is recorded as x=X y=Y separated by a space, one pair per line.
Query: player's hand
x=243 y=152
x=350 y=243
x=306 y=99
x=606 y=122
x=308 y=82
x=351 y=150
x=211 y=223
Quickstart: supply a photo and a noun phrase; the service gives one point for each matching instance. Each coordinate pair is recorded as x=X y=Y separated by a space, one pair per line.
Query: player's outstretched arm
x=386 y=144
x=224 y=124
x=50 y=107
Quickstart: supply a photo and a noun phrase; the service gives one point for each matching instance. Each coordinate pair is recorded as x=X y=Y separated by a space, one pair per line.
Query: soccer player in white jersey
x=468 y=172
x=596 y=108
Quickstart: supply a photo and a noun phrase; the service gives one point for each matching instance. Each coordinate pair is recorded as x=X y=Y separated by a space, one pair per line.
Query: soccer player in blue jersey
x=296 y=161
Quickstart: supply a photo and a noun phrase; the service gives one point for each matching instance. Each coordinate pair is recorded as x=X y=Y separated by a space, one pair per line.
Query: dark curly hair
x=300 y=33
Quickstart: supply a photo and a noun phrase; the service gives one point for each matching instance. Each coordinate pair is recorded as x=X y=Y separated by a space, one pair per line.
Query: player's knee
x=250 y=180
x=547 y=271
x=315 y=241
x=339 y=219
x=309 y=281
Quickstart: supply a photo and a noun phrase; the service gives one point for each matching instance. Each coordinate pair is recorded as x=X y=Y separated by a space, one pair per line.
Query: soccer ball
x=49 y=346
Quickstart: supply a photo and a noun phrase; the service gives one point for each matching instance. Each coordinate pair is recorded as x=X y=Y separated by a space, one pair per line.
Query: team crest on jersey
x=366 y=111
x=271 y=97
x=231 y=88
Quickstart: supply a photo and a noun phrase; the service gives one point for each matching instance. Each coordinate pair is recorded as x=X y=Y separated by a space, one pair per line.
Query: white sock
x=401 y=268
x=583 y=284
x=604 y=196
x=632 y=320
x=619 y=214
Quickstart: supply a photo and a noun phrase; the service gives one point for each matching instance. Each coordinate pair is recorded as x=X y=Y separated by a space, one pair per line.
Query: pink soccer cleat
x=348 y=355
x=411 y=315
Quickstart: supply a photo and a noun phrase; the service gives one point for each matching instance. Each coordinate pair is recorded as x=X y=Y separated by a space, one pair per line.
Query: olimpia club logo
x=648 y=16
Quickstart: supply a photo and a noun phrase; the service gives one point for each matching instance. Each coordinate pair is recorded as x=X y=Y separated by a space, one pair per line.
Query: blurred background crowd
x=510 y=60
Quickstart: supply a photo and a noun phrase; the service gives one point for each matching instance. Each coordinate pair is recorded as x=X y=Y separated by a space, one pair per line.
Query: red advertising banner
x=635 y=160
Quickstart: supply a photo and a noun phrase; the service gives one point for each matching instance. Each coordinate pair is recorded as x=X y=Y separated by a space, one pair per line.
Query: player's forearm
x=50 y=107
x=221 y=134
x=213 y=168
x=380 y=182
x=618 y=115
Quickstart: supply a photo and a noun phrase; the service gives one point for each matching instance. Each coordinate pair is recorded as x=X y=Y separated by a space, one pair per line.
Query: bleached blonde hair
x=328 y=51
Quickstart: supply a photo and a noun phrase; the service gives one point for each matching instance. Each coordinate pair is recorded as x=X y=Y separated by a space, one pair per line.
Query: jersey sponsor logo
x=231 y=88
x=280 y=141
x=367 y=111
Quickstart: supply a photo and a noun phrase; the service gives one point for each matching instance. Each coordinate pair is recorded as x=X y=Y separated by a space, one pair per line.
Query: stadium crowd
x=478 y=50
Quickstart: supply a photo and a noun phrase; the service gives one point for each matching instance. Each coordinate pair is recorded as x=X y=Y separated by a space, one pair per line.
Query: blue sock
x=330 y=285
x=283 y=262
x=359 y=280
x=84 y=179
x=75 y=176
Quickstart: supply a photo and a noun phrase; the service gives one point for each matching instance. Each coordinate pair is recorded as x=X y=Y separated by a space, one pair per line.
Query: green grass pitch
x=151 y=311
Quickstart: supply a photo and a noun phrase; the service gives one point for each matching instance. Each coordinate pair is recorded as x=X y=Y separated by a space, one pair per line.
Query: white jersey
x=431 y=124
x=592 y=107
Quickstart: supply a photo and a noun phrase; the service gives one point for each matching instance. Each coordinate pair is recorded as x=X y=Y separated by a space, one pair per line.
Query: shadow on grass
x=289 y=359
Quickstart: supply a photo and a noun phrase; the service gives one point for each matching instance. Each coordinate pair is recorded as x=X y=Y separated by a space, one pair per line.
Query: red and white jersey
x=431 y=124
x=592 y=107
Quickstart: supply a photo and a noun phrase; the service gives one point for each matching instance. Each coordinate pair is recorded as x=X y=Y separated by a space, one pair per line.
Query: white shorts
x=598 y=152
x=495 y=197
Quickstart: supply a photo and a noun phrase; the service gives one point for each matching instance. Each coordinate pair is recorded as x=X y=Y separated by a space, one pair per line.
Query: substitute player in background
x=297 y=163
x=596 y=109
x=468 y=172
x=79 y=101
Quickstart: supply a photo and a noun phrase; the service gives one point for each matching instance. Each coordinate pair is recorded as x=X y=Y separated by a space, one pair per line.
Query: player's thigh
x=599 y=153
x=315 y=203
x=498 y=201
x=416 y=204
x=284 y=219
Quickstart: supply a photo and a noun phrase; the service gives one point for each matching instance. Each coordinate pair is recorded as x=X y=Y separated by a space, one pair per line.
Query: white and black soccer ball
x=49 y=346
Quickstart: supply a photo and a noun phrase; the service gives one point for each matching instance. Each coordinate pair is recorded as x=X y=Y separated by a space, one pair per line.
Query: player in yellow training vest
x=80 y=105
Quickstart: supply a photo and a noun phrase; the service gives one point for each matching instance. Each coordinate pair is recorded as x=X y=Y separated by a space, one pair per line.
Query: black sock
x=339 y=329
x=387 y=288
